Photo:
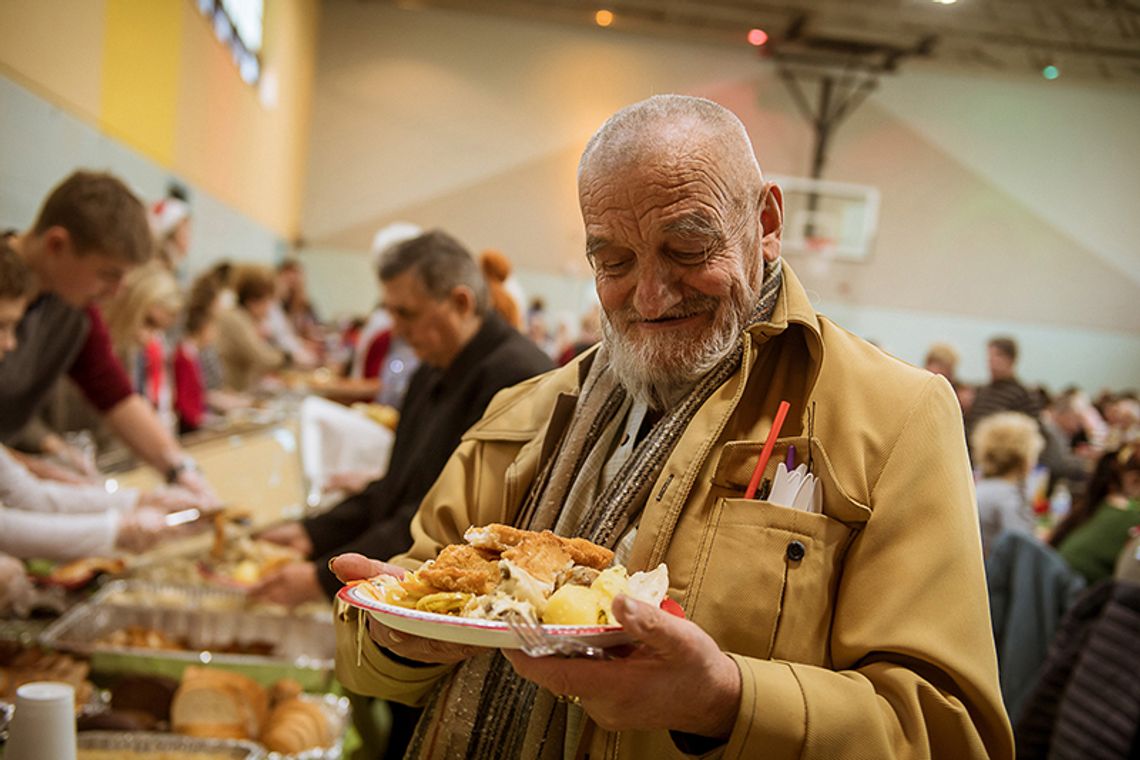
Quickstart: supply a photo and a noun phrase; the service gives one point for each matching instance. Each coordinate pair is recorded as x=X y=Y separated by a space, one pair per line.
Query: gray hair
x=632 y=129
x=441 y=263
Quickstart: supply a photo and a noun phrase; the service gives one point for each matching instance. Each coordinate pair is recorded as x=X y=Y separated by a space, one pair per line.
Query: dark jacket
x=438 y=409
x=1086 y=706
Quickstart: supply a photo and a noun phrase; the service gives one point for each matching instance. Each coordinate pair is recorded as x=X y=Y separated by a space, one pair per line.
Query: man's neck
x=27 y=248
x=467 y=332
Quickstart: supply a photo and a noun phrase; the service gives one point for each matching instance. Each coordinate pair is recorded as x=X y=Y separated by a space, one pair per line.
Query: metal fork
x=536 y=642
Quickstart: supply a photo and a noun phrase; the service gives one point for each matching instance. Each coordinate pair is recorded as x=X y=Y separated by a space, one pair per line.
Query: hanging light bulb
x=1050 y=72
x=604 y=17
x=757 y=37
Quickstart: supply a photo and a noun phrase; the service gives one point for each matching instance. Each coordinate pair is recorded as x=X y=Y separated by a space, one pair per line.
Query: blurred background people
x=504 y=299
x=90 y=232
x=194 y=395
x=51 y=520
x=170 y=224
x=1098 y=527
x=1006 y=446
x=1004 y=392
x=246 y=354
x=138 y=320
x=290 y=323
x=379 y=352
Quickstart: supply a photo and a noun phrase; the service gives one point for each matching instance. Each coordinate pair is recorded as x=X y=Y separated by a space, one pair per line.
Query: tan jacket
x=876 y=644
x=246 y=356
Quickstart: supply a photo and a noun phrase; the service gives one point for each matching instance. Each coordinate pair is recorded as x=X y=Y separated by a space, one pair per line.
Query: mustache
x=690 y=307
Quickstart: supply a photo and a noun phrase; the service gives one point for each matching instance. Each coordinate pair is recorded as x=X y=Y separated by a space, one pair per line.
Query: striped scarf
x=484 y=710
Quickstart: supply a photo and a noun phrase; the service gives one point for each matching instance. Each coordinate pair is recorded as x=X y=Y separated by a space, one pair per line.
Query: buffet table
x=177 y=622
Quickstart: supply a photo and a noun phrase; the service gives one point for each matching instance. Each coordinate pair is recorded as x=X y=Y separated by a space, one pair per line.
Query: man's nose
x=655 y=290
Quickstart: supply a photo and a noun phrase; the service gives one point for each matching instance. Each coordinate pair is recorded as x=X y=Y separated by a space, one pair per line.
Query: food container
x=145 y=743
x=215 y=625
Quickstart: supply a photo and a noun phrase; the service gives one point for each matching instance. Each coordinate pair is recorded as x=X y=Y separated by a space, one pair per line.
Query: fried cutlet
x=460 y=567
x=499 y=537
x=540 y=554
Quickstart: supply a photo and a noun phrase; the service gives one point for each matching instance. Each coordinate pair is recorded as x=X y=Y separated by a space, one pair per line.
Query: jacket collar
x=490 y=334
x=794 y=316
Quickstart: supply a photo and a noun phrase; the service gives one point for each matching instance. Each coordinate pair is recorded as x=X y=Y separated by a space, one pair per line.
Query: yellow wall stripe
x=141 y=66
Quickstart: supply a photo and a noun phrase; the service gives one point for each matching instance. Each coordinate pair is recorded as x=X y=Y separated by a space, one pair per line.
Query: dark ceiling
x=1087 y=40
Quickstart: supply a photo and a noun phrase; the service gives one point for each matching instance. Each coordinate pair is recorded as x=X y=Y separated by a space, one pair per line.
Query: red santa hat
x=165 y=215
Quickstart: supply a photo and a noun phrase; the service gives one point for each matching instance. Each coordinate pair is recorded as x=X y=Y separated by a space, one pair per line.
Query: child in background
x=193 y=397
x=189 y=383
x=138 y=319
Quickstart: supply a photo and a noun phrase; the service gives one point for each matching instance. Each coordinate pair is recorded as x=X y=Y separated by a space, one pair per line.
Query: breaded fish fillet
x=499 y=537
x=460 y=567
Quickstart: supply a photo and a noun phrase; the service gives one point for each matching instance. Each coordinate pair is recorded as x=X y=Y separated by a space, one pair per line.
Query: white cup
x=43 y=725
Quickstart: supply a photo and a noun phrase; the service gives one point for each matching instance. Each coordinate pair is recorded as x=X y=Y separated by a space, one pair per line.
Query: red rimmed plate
x=480 y=633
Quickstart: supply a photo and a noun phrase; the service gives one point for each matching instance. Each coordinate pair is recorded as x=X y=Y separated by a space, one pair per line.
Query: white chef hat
x=392 y=235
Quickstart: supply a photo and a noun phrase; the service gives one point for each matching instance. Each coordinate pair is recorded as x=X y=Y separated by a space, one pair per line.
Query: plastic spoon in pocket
x=766 y=453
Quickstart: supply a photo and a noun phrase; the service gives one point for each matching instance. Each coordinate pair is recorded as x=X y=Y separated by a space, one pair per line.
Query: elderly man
x=859 y=632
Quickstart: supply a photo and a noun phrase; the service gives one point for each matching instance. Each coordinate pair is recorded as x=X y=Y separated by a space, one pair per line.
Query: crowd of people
x=890 y=620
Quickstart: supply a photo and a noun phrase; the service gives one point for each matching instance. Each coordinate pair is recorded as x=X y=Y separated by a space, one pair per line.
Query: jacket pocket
x=765 y=580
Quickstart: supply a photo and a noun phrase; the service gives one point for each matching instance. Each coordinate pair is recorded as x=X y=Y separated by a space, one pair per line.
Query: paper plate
x=480 y=633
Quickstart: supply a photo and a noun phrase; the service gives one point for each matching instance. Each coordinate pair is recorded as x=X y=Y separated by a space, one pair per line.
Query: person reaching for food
x=61 y=521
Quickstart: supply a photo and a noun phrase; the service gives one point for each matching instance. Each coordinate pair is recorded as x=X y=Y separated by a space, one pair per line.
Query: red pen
x=766 y=453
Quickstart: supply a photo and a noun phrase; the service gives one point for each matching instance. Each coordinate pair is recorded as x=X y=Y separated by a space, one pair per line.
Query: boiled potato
x=574 y=605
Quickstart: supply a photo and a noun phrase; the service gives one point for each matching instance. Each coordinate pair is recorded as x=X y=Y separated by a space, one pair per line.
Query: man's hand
x=355 y=567
x=293 y=584
x=676 y=678
x=291 y=534
x=196 y=483
x=141 y=529
x=45 y=469
x=171 y=499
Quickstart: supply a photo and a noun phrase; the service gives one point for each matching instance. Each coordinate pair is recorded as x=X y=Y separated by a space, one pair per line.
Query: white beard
x=660 y=372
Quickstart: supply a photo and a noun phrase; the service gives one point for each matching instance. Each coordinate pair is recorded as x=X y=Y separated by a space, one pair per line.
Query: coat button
x=796 y=551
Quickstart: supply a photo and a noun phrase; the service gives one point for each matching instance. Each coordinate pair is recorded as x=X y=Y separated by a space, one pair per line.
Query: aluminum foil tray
x=207 y=619
x=144 y=742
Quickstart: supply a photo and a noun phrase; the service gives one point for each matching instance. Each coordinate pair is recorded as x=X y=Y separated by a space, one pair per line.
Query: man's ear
x=463 y=299
x=772 y=217
x=56 y=240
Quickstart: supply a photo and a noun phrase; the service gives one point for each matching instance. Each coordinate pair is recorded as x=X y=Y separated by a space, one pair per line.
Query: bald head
x=671 y=126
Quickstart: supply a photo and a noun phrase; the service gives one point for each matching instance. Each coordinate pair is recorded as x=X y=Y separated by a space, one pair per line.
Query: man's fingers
x=652 y=627
x=356 y=567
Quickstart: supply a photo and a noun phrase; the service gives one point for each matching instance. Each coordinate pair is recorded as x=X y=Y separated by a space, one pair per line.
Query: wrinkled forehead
x=660 y=190
x=670 y=160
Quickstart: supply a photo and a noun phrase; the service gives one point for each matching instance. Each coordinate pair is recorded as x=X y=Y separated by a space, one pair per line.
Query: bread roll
x=295 y=726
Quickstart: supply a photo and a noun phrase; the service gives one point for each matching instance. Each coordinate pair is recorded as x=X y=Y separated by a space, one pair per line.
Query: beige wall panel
x=66 y=71
x=249 y=149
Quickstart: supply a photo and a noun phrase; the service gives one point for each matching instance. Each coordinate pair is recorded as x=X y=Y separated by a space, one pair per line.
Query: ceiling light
x=1050 y=72
x=604 y=18
x=945 y=2
x=757 y=37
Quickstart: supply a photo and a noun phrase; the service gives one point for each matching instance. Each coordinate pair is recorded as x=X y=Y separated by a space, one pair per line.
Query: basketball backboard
x=836 y=219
